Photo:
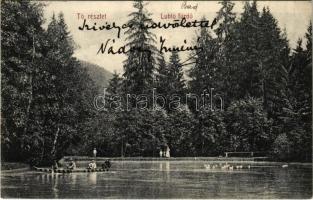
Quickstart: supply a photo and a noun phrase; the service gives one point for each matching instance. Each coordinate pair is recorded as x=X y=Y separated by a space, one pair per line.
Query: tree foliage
x=140 y=63
x=57 y=100
x=47 y=95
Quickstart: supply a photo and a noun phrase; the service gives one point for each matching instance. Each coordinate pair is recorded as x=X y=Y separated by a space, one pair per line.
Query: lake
x=165 y=179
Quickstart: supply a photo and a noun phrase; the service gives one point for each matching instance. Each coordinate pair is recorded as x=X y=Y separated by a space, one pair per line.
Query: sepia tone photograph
x=156 y=99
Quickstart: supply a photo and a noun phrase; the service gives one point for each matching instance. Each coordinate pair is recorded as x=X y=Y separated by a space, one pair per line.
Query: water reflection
x=164 y=167
x=74 y=178
x=54 y=182
x=92 y=178
x=163 y=179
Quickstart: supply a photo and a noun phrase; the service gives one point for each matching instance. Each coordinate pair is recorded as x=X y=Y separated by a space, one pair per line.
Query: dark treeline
x=47 y=97
x=46 y=94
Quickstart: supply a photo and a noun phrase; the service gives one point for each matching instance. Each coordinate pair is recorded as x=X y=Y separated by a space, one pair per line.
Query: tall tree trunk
x=56 y=135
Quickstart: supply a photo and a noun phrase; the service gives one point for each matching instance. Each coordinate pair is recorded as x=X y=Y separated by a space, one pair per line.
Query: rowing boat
x=78 y=170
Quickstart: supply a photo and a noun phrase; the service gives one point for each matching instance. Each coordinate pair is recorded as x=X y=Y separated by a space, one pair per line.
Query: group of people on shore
x=165 y=153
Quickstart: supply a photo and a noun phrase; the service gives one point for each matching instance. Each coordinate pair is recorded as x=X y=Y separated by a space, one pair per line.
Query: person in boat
x=72 y=165
x=92 y=165
x=106 y=165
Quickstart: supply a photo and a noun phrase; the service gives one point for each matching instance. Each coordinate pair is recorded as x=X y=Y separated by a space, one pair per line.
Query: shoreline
x=185 y=159
x=19 y=167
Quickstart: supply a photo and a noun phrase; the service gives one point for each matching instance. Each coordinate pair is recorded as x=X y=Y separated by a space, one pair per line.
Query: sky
x=293 y=16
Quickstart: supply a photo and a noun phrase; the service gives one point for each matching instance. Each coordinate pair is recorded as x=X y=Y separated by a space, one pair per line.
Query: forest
x=47 y=96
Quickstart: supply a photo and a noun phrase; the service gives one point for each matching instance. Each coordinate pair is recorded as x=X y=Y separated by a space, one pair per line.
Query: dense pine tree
x=301 y=76
x=226 y=18
x=161 y=76
x=175 y=68
x=115 y=84
x=170 y=81
x=204 y=74
x=262 y=74
x=114 y=93
x=140 y=63
x=246 y=45
x=50 y=94
x=63 y=96
x=47 y=97
x=296 y=117
x=22 y=41
x=273 y=63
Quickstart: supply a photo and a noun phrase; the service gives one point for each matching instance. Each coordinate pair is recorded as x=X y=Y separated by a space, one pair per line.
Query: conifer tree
x=297 y=115
x=64 y=94
x=22 y=41
x=262 y=73
x=204 y=73
x=114 y=87
x=273 y=63
x=161 y=75
x=226 y=18
x=170 y=80
x=140 y=63
x=114 y=92
x=307 y=79
x=176 y=75
x=245 y=46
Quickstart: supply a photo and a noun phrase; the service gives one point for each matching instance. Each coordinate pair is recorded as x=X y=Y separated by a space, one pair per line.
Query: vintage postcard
x=156 y=99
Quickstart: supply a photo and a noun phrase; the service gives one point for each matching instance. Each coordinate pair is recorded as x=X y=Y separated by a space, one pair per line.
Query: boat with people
x=71 y=168
x=64 y=170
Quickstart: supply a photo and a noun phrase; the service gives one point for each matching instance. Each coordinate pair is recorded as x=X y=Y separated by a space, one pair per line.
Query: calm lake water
x=164 y=179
